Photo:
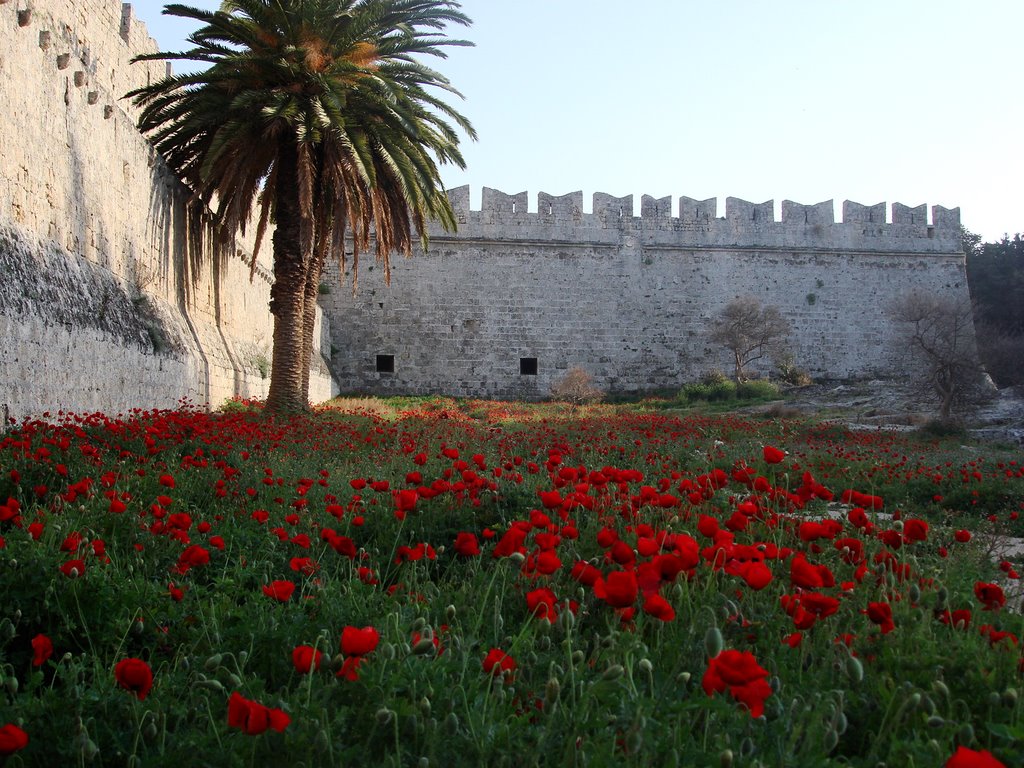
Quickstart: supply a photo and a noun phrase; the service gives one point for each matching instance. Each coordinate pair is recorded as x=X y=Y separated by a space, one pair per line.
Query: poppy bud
x=384 y=716
x=410 y=725
x=645 y=666
x=831 y=740
x=854 y=669
x=552 y=691
x=994 y=699
x=424 y=762
x=136 y=628
x=634 y=741
x=614 y=672
x=451 y=722
x=914 y=592
x=1010 y=697
x=935 y=722
x=242 y=656
x=420 y=625
x=211 y=664
x=449 y=613
x=725 y=758
x=965 y=734
x=150 y=732
x=927 y=704
x=713 y=642
x=842 y=723
x=423 y=646
x=683 y=678
x=566 y=621
x=11 y=684
x=577 y=657
x=424 y=705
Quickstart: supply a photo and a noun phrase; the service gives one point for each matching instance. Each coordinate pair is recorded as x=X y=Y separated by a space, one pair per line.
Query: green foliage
x=611 y=686
x=995 y=273
x=715 y=388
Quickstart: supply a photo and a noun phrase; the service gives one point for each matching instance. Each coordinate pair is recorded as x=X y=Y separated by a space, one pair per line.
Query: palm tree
x=318 y=115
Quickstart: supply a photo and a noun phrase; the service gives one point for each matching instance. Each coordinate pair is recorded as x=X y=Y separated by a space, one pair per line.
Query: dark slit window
x=385 y=363
x=527 y=366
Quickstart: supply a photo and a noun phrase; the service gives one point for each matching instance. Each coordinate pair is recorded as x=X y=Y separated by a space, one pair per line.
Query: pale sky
x=910 y=101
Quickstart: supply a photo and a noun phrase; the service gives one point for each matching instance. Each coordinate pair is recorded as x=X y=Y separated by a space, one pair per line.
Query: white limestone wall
x=110 y=297
x=631 y=299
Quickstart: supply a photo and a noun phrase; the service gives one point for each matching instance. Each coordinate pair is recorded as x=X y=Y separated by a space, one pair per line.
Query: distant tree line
x=995 y=275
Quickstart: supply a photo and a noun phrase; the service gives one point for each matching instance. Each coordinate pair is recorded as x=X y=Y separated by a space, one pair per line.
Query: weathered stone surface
x=108 y=298
x=629 y=298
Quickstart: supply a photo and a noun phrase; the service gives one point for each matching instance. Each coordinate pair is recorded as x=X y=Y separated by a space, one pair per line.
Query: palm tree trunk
x=287 y=299
x=311 y=292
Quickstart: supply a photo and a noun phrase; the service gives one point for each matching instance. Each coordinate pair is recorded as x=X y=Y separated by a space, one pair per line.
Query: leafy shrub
x=756 y=389
x=789 y=373
x=943 y=428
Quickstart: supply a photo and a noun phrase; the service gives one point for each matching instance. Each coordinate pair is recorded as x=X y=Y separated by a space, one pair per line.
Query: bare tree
x=576 y=387
x=940 y=337
x=750 y=331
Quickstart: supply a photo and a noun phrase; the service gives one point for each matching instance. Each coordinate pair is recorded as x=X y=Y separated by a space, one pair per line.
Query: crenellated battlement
x=745 y=224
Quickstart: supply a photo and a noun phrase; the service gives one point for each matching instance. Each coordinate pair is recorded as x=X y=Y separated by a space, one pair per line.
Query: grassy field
x=426 y=581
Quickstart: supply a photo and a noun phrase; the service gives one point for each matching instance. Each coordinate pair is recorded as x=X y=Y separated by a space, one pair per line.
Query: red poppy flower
x=805 y=574
x=304 y=565
x=253 y=718
x=306 y=659
x=620 y=589
x=962 y=536
x=964 y=757
x=134 y=675
x=541 y=604
x=359 y=642
x=773 y=455
x=756 y=574
x=990 y=595
x=959 y=619
x=279 y=590
x=497 y=662
x=657 y=606
x=915 y=530
x=42 y=649
x=73 y=568
x=467 y=544
x=881 y=614
x=167 y=481
x=12 y=738
x=191 y=557
x=740 y=674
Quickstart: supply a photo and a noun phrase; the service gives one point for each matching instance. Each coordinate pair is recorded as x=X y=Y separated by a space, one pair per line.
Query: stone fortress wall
x=630 y=299
x=111 y=296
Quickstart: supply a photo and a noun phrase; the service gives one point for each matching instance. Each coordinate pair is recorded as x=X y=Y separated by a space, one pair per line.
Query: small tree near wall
x=750 y=331
x=576 y=387
x=939 y=335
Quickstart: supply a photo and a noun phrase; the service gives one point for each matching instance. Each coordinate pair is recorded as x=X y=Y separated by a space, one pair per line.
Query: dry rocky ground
x=878 y=404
